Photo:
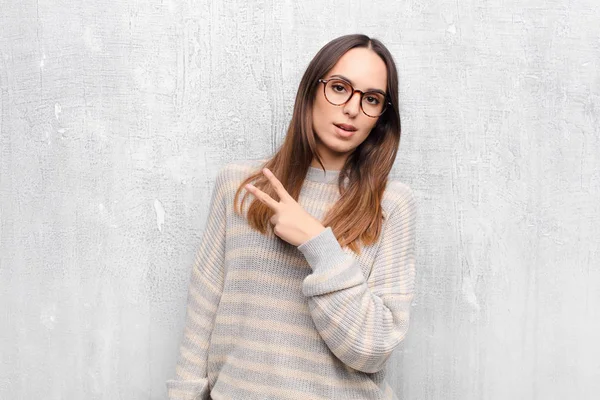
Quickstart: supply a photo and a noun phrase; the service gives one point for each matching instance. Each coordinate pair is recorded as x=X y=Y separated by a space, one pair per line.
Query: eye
x=338 y=87
x=374 y=100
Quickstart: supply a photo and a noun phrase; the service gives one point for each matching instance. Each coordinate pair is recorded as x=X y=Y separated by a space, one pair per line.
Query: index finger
x=262 y=196
x=279 y=188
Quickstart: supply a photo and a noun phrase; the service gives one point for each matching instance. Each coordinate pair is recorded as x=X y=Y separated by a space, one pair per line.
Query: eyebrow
x=350 y=82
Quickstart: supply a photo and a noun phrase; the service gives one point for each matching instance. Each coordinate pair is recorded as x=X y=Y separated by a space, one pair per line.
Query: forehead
x=363 y=67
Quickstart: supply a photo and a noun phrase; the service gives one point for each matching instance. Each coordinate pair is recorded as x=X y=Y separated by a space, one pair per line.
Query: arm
x=204 y=294
x=362 y=321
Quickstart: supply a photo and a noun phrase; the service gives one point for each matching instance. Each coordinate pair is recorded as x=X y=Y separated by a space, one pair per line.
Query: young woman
x=305 y=292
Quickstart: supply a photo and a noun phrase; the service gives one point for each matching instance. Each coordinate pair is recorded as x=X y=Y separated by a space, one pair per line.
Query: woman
x=305 y=293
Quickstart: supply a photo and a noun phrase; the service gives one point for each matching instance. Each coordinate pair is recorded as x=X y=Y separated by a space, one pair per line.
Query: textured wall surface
x=115 y=117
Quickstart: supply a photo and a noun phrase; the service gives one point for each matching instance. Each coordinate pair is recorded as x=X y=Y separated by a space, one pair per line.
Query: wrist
x=313 y=232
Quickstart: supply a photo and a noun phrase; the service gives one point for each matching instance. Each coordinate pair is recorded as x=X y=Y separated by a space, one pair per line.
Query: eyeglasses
x=338 y=92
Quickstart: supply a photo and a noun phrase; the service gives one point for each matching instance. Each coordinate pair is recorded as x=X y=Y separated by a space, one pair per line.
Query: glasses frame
x=362 y=95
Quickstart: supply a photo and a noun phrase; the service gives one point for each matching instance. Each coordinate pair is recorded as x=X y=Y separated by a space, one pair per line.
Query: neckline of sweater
x=318 y=175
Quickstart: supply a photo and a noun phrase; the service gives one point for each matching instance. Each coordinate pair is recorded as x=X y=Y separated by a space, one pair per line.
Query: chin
x=339 y=145
x=332 y=141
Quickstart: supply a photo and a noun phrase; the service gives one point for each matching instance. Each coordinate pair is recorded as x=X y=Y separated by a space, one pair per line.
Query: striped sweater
x=269 y=320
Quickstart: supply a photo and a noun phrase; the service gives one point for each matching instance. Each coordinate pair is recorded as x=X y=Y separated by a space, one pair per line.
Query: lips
x=343 y=133
x=346 y=127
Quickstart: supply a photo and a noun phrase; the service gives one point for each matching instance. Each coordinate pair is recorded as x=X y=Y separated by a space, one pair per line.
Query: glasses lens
x=373 y=104
x=337 y=92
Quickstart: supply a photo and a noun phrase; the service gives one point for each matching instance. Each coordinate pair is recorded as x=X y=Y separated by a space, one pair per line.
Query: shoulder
x=240 y=166
x=232 y=173
x=398 y=197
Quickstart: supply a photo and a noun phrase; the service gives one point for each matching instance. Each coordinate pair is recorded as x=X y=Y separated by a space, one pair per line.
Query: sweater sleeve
x=361 y=321
x=204 y=293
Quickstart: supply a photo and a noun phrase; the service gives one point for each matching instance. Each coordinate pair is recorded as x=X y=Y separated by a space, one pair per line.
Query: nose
x=352 y=106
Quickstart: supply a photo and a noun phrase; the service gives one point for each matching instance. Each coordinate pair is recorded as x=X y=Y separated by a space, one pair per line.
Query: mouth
x=346 y=127
x=344 y=130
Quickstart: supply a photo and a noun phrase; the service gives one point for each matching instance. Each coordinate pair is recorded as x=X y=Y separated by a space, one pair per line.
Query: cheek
x=372 y=124
x=320 y=113
x=367 y=124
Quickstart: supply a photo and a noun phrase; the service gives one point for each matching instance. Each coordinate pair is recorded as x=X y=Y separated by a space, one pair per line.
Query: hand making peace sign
x=291 y=222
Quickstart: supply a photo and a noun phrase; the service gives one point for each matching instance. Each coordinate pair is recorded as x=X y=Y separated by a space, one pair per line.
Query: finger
x=273 y=219
x=262 y=196
x=279 y=188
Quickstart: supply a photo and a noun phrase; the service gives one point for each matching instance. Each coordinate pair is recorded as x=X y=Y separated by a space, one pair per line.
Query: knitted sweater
x=269 y=320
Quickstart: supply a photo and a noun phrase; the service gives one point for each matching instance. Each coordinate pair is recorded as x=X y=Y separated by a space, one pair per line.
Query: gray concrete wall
x=116 y=115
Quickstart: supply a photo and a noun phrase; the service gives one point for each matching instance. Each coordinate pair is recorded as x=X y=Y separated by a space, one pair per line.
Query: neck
x=335 y=166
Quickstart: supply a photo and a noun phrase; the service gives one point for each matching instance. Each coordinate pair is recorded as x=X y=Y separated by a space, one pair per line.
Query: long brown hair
x=357 y=215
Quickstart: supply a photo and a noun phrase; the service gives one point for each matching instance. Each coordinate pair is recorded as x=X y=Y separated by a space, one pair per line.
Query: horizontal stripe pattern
x=266 y=319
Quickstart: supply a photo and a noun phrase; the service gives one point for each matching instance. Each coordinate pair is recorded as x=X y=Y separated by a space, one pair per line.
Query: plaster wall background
x=115 y=117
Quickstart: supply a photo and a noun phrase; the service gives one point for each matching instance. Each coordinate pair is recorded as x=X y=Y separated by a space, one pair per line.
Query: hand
x=291 y=222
